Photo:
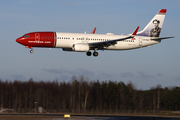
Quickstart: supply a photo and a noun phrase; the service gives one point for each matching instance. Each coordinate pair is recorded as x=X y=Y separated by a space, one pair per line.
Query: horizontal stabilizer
x=161 y=38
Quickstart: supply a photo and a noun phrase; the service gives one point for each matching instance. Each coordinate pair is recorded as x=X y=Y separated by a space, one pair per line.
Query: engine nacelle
x=80 y=47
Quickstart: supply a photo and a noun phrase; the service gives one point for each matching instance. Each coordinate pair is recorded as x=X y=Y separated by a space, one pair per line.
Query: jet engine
x=80 y=47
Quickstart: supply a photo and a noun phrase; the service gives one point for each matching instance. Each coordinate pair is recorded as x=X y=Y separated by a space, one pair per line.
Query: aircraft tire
x=88 y=53
x=31 y=51
x=95 y=54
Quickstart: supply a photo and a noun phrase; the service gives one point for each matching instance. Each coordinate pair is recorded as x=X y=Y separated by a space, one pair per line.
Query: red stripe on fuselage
x=38 y=39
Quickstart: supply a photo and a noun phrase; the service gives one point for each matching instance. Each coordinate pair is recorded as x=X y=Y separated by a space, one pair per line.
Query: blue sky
x=145 y=67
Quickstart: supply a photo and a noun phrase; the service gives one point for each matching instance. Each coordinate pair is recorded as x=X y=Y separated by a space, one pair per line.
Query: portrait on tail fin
x=155 y=32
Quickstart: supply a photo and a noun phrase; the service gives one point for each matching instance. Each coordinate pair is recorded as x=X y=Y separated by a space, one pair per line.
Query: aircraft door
x=85 y=39
x=37 y=37
x=140 y=42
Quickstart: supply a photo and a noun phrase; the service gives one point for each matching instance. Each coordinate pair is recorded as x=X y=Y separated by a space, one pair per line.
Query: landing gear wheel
x=31 y=51
x=88 y=53
x=95 y=54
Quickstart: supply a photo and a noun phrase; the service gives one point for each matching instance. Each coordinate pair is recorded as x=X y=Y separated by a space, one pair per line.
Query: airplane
x=84 y=42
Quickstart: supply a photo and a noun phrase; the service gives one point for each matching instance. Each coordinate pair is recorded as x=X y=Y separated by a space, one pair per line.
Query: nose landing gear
x=31 y=51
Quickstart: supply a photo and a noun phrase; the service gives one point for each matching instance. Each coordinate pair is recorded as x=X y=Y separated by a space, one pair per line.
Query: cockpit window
x=26 y=36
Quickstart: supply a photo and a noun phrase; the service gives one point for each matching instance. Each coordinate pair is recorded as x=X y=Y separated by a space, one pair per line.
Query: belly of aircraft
x=123 y=46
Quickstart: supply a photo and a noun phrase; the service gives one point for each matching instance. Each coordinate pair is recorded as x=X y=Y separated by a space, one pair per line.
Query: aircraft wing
x=102 y=45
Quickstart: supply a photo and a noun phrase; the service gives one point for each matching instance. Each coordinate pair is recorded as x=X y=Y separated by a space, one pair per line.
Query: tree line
x=82 y=94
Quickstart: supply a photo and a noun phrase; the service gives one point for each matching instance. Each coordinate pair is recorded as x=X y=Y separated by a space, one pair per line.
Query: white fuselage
x=66 y=40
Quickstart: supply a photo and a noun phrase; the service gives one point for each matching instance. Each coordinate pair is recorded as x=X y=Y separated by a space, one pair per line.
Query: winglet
x=94 y=30
x=134 y=33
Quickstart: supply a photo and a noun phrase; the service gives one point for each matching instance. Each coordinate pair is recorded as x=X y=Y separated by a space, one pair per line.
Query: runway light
x=67 y=116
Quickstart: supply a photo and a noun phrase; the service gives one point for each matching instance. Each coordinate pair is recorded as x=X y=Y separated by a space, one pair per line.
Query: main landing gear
x=95 y=54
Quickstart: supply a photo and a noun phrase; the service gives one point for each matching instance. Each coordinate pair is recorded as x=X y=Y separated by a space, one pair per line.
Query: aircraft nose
x=20 y=40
